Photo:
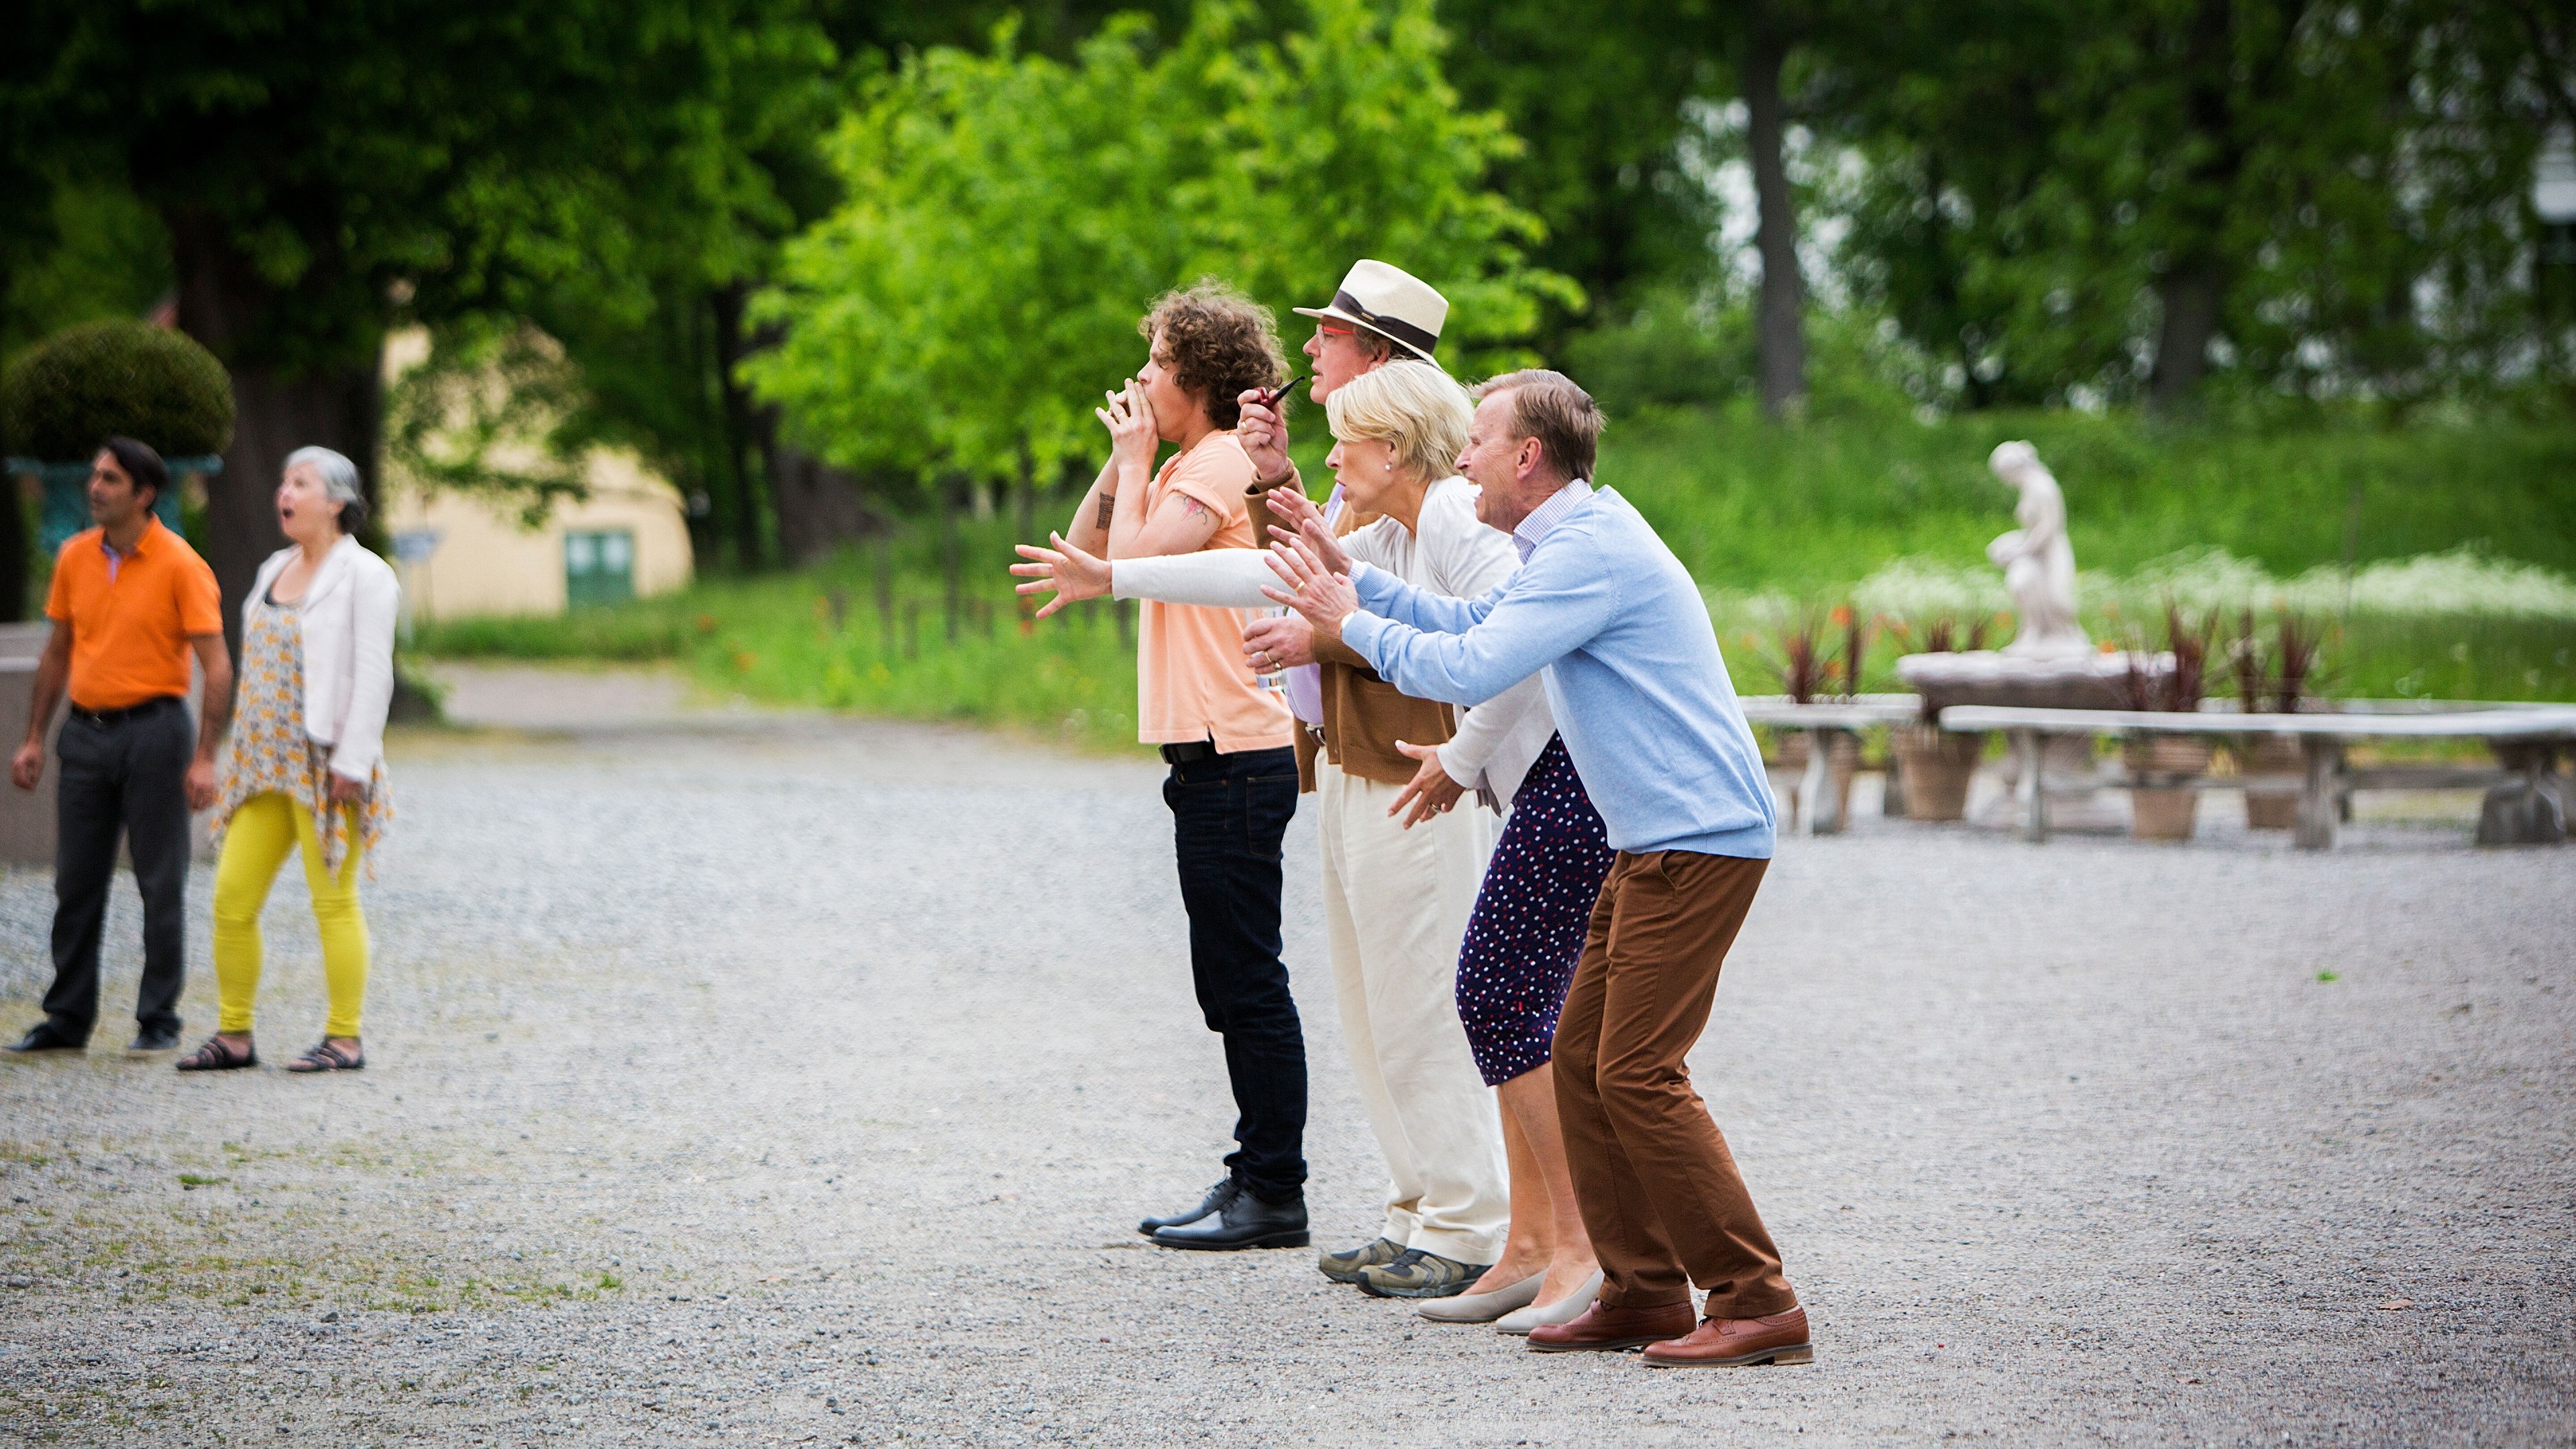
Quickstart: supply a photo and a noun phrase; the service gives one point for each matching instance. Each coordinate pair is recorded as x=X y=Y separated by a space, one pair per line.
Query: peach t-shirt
x=1192 y=681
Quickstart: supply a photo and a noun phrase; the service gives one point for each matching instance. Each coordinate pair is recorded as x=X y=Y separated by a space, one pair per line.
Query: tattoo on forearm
x=1108 y=505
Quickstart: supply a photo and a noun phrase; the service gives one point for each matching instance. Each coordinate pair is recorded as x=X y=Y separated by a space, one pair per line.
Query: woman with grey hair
x=304 y=768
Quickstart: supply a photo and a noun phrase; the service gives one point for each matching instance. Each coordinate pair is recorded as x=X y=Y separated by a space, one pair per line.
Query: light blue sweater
x=1640 y=692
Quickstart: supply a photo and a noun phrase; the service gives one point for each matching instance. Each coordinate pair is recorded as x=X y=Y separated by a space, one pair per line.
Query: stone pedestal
x=2070 y=775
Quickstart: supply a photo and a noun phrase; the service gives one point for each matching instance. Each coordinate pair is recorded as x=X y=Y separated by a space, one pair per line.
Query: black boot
x=1217 y=1197
x=1244 y=1222
x=44 y=1036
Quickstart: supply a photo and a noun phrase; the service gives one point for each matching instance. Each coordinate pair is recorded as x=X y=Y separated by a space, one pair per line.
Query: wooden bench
x=2526 y=740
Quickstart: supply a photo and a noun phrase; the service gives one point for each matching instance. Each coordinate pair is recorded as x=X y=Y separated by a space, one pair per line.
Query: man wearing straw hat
x=1447 y=1197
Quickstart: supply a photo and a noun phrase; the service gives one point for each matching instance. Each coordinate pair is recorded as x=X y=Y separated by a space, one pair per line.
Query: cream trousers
x=1395 y=910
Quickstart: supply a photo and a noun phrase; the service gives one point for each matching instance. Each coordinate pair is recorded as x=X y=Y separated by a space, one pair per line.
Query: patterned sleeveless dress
x=269 y=749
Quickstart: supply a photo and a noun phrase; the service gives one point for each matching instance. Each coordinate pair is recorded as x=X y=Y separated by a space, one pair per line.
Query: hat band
x=1394 y=327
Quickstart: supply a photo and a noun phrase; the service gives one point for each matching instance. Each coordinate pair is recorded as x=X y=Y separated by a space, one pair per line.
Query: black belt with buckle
x=1189 y=754
x=105 y=717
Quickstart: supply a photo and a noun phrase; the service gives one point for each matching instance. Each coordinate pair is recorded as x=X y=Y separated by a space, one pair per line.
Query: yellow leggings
x=256 y=843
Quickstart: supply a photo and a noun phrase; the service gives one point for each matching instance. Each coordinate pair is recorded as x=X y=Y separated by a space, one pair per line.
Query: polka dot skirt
x=1530 y=920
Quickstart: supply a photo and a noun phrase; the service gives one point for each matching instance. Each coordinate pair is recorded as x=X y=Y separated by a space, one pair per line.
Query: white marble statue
x=2037 y=560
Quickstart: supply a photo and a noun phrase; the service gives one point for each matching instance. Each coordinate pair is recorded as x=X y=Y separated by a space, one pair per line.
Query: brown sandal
x=328 y=1058
x=216 y=1056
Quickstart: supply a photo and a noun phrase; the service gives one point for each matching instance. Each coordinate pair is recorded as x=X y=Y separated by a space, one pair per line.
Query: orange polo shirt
x=131 y=617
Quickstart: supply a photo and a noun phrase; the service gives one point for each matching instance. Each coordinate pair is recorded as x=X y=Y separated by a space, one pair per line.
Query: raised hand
x=1280 y=643
x=1072 y=574
x=1130 y=421
x=1263 y=434
x=1290 y=511
x=1319 y=543
x=1431 y=791
x=1326 y=598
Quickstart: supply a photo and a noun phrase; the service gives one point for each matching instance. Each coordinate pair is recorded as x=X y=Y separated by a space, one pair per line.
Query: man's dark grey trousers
x=123 y=774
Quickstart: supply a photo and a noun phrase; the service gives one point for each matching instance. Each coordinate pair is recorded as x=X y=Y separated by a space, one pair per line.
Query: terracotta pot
x=2164 y=812
x=1937 y=765
x=2270 y=755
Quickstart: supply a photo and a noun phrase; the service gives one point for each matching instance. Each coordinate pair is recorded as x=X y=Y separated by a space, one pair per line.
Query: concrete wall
x=27 y=816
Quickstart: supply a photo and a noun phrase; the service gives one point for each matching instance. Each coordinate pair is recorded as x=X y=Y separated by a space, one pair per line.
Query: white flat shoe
x=1564 y=1310
x=1484 y=1307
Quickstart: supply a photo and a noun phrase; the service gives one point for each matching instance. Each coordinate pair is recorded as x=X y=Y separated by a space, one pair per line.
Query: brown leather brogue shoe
x=1732 y=1342
x=1603 y=1327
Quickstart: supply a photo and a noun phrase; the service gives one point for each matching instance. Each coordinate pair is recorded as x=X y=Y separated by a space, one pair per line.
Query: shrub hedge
x=87 y=382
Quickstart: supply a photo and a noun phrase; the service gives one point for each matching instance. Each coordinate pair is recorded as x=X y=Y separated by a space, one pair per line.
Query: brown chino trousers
x=1659 y=1191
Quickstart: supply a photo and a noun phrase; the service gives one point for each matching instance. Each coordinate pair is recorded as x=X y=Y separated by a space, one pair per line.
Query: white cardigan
x=1453 y=554
x=347 y=615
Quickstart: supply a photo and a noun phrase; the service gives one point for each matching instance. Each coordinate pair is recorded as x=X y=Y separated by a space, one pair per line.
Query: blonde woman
x=304 y=770
x=1396 y=900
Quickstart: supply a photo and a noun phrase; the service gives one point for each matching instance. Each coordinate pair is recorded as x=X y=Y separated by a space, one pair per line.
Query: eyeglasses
x=1336 y=329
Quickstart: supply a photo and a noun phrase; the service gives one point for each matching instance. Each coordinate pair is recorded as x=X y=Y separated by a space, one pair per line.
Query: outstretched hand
x=1324 y=597
x=1431 y=791
x=1072 y=574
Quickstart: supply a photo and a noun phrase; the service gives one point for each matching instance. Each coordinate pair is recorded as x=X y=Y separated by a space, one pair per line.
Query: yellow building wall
x=486 y=562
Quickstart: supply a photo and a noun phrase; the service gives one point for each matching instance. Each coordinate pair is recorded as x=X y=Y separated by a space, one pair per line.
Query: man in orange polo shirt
x=129 y=601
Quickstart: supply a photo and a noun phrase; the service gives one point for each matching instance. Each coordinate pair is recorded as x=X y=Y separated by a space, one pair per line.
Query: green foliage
x=780 y=638
x=1749 y=506
x=2048 y=185
x=100 y=378
x=94 y=252
x=1010 y=216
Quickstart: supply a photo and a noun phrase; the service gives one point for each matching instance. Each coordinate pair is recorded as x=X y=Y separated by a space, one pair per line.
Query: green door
x=599 y=567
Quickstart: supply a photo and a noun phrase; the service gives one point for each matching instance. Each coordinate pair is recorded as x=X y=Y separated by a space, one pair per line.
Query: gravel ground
x=801 y=1082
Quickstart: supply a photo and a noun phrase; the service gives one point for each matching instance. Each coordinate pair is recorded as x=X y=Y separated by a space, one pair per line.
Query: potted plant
x=2162 y=766
x=101 y=379
x=1806 y=671
x=1934 y=764
x=2274 y=679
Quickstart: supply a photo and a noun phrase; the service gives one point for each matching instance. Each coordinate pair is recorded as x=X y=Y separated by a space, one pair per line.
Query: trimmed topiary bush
x=100 y=378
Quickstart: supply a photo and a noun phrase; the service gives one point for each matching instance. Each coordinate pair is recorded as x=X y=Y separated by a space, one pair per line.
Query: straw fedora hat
x=1390 y=302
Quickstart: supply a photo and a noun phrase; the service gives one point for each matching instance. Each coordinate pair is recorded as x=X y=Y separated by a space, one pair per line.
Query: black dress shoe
x=156 y=1039
x=1217 y=1197
x=45 y=1037
x=1245 y=1222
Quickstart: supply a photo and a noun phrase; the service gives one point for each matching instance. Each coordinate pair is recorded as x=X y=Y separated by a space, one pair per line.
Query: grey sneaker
x=1347 y=1265
x=1417 y=1274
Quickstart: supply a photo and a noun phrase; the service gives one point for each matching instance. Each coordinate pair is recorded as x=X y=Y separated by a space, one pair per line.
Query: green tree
x=1009 y=216
x=326 y=170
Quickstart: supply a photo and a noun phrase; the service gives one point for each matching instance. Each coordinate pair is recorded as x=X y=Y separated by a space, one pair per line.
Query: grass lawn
x=1797 y=514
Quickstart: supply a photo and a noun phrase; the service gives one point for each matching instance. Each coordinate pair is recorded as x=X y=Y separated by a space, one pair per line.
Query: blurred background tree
x=1815 y=206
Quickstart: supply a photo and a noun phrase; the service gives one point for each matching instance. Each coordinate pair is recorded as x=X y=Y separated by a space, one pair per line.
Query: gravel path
x=801 y=1082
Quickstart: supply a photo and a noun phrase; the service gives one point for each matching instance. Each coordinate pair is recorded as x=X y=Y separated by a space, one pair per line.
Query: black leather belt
x=1190 y=753
x=105 y=717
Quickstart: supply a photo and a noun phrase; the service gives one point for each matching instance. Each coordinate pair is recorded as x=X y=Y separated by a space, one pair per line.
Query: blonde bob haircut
x=1414 y=406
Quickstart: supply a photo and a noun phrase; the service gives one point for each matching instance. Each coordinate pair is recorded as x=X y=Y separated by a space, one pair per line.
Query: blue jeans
x=1228 y=813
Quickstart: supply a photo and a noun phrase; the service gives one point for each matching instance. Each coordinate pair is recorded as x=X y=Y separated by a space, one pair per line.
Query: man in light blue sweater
x=1649 y=716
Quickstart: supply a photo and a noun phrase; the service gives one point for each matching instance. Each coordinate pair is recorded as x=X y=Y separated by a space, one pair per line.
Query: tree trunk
x=276 y=408
x=732 y=344
x=13 y=552
x=2193 y=285
x=1778 y=337
x=820 y=507
x=2190 y=294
